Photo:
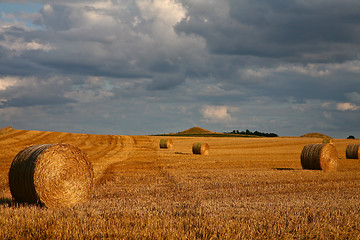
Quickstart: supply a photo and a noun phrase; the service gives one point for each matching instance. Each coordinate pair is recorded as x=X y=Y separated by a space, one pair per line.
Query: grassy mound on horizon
x=196 y=130
x=315 y=135
x=201 y=132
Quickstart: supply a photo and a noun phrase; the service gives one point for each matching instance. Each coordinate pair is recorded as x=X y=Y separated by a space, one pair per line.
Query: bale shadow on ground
x=12 y=203
x=284 y=169
x=183 y=153
x=6 y=201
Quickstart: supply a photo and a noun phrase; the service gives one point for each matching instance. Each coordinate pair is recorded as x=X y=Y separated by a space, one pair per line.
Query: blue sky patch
x=17 y=7
x=9 y=8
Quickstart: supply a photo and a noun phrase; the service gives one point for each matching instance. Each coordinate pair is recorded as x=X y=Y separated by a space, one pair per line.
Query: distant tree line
x=256 y=133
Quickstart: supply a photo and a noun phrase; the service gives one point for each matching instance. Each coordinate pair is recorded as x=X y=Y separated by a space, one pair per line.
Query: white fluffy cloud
x=6 y=82
x=167 y=11
x=347 y=107
x=216 y=113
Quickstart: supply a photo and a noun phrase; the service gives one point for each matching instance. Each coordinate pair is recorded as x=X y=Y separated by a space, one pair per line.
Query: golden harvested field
x=246 y=188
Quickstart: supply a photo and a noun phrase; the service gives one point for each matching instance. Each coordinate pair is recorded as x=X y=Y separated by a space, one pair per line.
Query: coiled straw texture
x=54 y=175
x=319 y=157
x=200 y=148
x=352 y=151
x=166 y=143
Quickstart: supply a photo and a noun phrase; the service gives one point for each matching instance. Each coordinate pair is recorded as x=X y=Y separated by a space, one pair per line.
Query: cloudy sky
x=159 y=66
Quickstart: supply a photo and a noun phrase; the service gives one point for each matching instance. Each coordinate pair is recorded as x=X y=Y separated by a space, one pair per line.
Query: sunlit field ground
x=246 y=188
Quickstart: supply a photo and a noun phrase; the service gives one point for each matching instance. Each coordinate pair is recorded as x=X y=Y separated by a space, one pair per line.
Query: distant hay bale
x=327 y=140
x=353 y=151
x=166 y=143
x=200 y=148
x=54 y=175
x=319 y=157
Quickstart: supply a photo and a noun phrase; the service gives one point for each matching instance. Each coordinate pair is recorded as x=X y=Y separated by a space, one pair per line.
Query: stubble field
x=246 y=188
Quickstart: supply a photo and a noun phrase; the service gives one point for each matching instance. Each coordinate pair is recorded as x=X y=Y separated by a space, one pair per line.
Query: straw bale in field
x=54 y=175
x=200 y=148
x=166 y=143
x=353 y=151
x=327 y=140
x=319 y=157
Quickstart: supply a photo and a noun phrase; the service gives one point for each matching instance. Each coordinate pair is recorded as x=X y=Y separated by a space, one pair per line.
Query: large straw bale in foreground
x=200 y=148
x=353 y=151
x=166 y=143
x=54 y=175
x=319 y=157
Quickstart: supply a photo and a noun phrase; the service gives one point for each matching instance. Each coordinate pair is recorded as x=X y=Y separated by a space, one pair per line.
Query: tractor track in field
x=118 y=149
x=137 y=153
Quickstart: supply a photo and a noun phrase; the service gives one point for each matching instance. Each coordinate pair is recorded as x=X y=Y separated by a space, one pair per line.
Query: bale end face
x=55 y=175
x=319 y=157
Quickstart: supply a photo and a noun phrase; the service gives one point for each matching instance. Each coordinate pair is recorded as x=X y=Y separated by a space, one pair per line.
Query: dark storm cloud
x=103 y=42
x=165 y=81
x=300 y=31
x=34 y=91
x=35 y=101
x=56 y=18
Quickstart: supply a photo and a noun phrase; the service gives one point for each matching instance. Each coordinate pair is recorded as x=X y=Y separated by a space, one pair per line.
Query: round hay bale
x=327 y=140
x=319 y=157
x=54 y=175
x=353 y=151
x=166 y=143
x=200 y=148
